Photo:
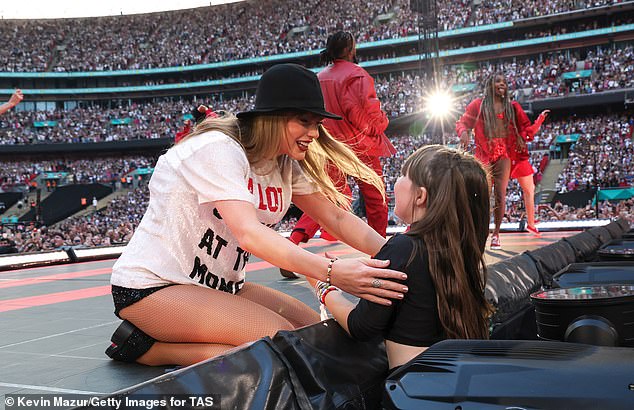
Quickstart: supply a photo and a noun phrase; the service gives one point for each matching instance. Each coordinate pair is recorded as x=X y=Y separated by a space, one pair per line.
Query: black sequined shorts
x=124 y=297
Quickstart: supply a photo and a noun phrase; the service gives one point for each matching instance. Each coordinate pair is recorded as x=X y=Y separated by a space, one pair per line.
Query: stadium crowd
x=401 y=93
x=20 y=176
x=612 y=136
x=602 y=155
x=236 y=30
x=532 y=77
x=112 y=225
x=155 y=119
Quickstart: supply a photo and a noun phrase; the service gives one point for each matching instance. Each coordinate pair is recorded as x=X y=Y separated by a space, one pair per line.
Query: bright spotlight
x=439 y=104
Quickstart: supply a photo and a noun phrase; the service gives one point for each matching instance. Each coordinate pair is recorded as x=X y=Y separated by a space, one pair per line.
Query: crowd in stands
x=534 y=77
x=607 y=209
x=401 y=93
x=236 y=30
x=93 y=124
x=156 y=119
x=510 y=10
x=21 y=175
x=602 y=156
x=115 y=223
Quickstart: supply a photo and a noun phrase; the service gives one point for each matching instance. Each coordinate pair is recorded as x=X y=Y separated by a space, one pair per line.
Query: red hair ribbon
x=209 y=113
x=184 y=132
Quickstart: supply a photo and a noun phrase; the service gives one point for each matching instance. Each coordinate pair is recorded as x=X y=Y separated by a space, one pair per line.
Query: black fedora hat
x=288 y=87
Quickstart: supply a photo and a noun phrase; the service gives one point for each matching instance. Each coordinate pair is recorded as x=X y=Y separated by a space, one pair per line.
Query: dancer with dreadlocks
x=349 y=92
x=501 y=129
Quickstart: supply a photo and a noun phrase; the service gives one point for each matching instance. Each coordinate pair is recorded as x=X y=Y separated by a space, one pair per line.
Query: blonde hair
x=261 y=137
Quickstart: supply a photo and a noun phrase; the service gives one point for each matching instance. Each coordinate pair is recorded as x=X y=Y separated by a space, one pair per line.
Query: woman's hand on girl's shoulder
x=369 y=279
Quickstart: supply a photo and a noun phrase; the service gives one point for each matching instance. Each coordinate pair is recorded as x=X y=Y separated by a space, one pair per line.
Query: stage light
x=599 y=315
x=439 y=104
x=617 y=249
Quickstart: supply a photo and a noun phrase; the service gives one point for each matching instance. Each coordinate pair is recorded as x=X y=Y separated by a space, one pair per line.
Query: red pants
x=375 y=206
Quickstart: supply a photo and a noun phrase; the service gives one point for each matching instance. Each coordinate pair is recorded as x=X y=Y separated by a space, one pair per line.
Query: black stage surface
x=56 y=322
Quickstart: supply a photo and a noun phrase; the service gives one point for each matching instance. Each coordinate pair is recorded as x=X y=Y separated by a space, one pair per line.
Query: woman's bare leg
x=528 y=189
x=192 y=323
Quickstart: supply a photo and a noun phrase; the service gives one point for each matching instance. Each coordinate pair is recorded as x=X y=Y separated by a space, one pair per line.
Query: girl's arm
x=366 y=320
x=355 y=276
x=342 y=224
x=337 y=304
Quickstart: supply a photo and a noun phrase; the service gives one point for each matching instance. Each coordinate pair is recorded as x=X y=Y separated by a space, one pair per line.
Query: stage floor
x=56 y=322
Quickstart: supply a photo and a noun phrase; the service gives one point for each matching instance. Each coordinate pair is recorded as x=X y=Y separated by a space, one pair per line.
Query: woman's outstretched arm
x=355 y=276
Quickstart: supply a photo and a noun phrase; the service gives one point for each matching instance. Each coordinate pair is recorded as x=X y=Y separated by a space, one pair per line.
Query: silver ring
x=376 y=283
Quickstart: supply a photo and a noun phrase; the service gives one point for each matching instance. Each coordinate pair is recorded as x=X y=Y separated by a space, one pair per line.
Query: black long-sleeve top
x=411 y=321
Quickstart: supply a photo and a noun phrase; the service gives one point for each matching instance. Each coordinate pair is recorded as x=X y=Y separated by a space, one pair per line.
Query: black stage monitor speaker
x=599 y=315
x=617 y=249
x=508 y=374
x=595 y=273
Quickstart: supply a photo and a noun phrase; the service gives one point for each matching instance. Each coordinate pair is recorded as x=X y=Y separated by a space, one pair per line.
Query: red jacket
x=349 y=91
x=472 y=119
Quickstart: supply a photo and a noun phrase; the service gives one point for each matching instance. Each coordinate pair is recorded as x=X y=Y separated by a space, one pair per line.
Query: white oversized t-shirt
x=182 y=238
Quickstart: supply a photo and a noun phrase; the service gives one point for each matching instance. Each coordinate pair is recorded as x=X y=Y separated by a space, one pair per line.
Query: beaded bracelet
x=322 y=289
x=329 y=289
x=329 y=270
x=320 y=286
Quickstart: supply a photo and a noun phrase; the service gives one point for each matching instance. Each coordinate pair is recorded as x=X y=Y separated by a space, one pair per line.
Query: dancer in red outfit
x=349 y=91
x=496 y=121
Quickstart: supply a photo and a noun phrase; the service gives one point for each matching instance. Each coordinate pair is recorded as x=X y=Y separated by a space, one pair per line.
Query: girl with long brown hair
x=443 y=194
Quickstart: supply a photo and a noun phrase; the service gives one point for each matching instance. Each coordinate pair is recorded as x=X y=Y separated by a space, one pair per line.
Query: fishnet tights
x=192 y=323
